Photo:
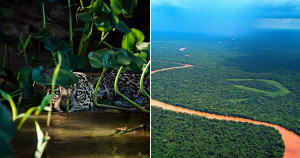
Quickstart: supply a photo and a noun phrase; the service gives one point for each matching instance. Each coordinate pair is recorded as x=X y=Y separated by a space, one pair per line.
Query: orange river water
x=290 y=139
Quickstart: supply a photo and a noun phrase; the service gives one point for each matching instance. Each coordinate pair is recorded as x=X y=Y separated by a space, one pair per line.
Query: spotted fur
x=81 y=94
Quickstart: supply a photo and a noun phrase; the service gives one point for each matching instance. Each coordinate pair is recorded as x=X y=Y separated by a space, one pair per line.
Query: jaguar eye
x=57 y=92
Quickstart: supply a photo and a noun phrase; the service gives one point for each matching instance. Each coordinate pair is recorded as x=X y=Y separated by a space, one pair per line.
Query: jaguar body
x=81 y=93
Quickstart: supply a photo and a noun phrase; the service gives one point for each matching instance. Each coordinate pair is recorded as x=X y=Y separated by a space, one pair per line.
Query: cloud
x=286 y=23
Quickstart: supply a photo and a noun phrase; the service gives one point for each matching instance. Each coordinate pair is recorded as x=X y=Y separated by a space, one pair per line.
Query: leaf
x=122 y=58
x=55 y=44
x=46 y=100
x=71 y=62
x=103 y=58
x=6 y=150
x=41 y=141
x=12 y=104
x=131 y=39
x=104 y=26
x=85 y=17
x=25 y=74
x=96 y=58
x=7 y=126
x=6 y=13
x=25 y=116
x=7 y=132
x=43 y=76
x=126 y=7
x=121 y=26
x=27 y=89
x=143 y=46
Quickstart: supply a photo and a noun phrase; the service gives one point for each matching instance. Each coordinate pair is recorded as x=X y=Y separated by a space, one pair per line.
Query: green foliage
x=25 y=74
x=182 y=135
x=282 y=91
x=71 y=62
x=126 y=7
x=12 y=104
x=131 y=39
x=54 y=44
x=44 y=77
x=7 y=132
x=205 y=87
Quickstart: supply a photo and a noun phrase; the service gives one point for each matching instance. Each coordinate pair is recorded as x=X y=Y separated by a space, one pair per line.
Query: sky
x=224 y=17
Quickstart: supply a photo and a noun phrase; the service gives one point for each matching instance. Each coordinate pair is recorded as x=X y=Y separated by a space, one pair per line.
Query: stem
x=55 y=74
x=124 y=97
x=68 y=101
x=108 y=45
x=4 y=57
x=19 y=101
x=2 y=99
x=44 y=15
x=53 y=57
x=142 y=81
x=70 y=25
x=103 y=105
x=103 y=38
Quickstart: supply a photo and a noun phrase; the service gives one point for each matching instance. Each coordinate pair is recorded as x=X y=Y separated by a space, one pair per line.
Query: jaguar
x=81 y=93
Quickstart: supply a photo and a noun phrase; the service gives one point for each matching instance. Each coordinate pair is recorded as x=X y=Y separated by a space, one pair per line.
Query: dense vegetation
x=182 y=135
x=205 y=87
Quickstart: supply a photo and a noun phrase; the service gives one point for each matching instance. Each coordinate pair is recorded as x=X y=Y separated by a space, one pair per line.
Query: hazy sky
x=224 y=17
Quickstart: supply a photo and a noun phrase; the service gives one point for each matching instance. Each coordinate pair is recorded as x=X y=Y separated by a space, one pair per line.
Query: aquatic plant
x=98 y=16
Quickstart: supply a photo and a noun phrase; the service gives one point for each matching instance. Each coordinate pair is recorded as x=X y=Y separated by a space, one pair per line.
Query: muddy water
x=291 y=140
x=86 y=134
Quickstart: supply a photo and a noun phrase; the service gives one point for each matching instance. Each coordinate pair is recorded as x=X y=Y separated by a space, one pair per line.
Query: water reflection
x=86 y=134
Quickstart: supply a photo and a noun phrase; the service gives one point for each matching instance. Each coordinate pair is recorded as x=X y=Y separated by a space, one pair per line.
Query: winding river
x=290 y=139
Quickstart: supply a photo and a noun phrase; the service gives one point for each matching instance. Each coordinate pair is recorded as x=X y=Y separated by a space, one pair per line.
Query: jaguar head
x=78 y=99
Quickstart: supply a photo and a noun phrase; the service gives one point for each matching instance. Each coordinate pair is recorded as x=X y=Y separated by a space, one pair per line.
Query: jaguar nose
x=63 y=107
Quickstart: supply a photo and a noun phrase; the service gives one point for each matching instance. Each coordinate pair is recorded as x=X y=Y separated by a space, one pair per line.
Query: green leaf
x=27 y=89
x=55 y=44
x=121 y=26
x=104 y=26
x=103 y=58
x=6 y=13
x=6 y=150
x=25 y=74
x=46 y=100
x=143 y=46
x=96 y=58
x=43 y=76
x=131 y=39
x=25 y=116
x=126 y=7
x=123 y=58
x=85 y=17
x=71 y=62
x=111 y=19
x=7 y=126
x=7 y=132
x=12 y=104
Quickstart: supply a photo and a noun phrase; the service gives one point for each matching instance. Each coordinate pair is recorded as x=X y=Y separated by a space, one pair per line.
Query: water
x=86 y=134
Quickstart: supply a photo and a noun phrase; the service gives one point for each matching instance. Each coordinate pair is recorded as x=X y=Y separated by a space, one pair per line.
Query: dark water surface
x=86 y=134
